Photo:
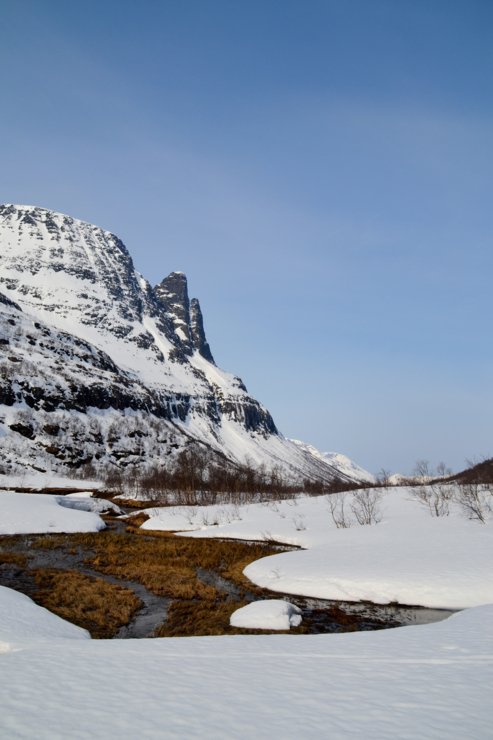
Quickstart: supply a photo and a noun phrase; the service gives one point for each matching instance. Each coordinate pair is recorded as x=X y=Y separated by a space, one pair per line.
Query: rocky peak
x=197 y=331
x=184 y=315
x=172 y=293
x=66 y=270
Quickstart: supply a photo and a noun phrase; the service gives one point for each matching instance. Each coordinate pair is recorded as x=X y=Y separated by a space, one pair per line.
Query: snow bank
x=271 y=614
x=21 y=619
x=85 y=501
x=409 y=557
x=430 y=681
x=24 y=513
x=46 y=480
x=443 y=564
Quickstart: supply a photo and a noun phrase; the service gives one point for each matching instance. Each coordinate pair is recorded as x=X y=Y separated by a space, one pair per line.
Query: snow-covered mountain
x=98 y=366
x=342 y=463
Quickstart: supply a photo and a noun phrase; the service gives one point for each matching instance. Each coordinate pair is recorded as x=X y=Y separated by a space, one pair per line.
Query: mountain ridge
x=135 y=351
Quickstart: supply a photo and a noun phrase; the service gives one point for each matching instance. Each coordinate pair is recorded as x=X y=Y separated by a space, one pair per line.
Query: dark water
x=325 y=615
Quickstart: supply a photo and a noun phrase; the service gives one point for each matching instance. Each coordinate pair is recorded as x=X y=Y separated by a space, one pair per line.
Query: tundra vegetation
x=165 y=565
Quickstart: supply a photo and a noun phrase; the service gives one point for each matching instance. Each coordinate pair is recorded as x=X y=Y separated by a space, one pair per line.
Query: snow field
x=428 y=682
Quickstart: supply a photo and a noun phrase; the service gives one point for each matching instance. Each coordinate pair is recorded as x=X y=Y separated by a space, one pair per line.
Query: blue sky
x=322 y=171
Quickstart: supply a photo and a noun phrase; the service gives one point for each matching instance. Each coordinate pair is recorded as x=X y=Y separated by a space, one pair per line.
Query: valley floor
x=429 y=681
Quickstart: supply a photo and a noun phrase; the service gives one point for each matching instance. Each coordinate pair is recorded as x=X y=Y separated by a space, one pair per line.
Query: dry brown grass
x=189 y=618
x=99 y=607
x=13 y=558
x=227 y=557
x=136 y=520
x=133 y=503
x=177 y=581
x=165 y=564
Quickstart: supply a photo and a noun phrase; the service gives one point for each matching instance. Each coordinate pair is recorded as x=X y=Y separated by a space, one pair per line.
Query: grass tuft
x=100 y=607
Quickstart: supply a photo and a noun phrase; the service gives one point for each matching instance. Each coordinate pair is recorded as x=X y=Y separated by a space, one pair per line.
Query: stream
x=327 y=615
x=151 y=615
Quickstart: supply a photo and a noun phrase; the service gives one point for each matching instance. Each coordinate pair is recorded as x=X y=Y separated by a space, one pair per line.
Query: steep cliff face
x=183 y=315
x=121 y=370
x=197 y=332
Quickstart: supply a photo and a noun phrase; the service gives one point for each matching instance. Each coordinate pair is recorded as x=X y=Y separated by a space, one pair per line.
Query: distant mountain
x=97 y=366
x=336 y=460
x=481 y=472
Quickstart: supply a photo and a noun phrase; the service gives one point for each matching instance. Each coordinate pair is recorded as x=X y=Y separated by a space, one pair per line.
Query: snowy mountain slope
x=63 y=402
x=121 y=369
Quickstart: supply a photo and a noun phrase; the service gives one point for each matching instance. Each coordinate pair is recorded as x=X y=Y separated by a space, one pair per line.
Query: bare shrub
x=339 y=510
x=196 y=478
x=435 y=497
x=189 y=514
x=432 y=489
x=421 y=473
x=476 y=500
x=236 y=513
x=365 y=506
x=443 y=471
x=87 y=471
x=383 y=478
